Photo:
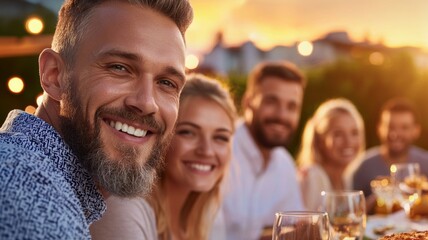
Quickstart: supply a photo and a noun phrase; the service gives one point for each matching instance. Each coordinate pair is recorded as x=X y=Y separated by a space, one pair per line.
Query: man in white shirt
x=262 y=177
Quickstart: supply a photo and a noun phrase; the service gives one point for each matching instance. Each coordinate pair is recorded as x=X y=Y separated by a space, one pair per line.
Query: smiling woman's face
x=201 y=147
x=341 y=140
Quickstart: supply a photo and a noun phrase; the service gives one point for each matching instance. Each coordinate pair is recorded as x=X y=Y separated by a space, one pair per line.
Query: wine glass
x=346 y=212
x=301 y=225
x=407 y=179
x=385 y=191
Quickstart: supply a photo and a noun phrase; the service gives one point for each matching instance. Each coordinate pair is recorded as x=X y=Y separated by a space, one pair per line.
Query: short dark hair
x=74 y=14
x=281 y=69
x=400 y=105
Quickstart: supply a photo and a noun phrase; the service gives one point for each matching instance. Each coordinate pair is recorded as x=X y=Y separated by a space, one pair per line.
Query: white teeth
x=200 y=167
x=131 y=130
x=139 y=133
x=124 y=127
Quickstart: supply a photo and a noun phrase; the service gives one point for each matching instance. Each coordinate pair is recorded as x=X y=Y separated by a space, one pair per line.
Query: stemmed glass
x=346 y=212
x=301 y=225
x=407 y=179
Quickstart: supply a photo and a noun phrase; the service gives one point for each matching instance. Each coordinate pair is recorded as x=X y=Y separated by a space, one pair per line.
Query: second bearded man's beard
x=261 y=138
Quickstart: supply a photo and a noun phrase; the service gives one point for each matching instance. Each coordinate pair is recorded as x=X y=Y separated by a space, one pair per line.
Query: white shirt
x=253 y=195
x=313 y=180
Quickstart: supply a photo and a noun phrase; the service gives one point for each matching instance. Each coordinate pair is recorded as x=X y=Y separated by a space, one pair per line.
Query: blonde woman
x=186 y=199
x=333 y=138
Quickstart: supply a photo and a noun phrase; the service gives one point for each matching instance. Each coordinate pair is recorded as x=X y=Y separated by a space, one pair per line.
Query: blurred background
x=367 y=50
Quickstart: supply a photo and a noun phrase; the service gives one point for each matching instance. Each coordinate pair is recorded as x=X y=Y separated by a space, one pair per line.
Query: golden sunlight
x=278 y=22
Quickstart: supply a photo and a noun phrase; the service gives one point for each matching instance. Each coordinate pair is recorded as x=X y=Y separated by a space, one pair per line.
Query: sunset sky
x=284 y=22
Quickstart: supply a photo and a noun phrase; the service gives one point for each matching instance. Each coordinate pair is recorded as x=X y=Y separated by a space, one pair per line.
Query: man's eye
x=118 y=68
x=167 y=82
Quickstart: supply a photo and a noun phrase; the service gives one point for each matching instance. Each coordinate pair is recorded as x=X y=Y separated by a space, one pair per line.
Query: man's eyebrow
x=173 y=71
x=120 y=54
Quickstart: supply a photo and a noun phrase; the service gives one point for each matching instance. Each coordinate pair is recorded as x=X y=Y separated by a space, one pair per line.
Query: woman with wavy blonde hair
x=187 y=199
x=332 y=138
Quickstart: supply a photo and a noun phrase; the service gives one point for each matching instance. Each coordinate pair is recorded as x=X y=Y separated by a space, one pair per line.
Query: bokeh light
x=30 y=109
x=39 y=99
x=393 y=169
x=34 y=25
x=376 y=58
x=15 y=85
x=305 y=48
x=192 y=61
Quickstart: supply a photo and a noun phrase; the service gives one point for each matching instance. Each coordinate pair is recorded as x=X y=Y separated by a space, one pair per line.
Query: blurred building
x=223 y=59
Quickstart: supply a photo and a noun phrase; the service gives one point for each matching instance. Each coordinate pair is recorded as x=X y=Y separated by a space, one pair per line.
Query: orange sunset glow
x=284 y=22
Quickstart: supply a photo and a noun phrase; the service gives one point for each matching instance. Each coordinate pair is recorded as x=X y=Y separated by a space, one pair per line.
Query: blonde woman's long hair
x=309 y=150
x=198 y=212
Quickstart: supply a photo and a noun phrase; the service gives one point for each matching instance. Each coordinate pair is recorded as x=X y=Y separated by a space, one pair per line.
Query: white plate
x=376 y=223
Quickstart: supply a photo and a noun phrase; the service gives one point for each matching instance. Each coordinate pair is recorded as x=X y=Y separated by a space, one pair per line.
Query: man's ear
x=378 y=130
x=247 y=111
x=52 y=72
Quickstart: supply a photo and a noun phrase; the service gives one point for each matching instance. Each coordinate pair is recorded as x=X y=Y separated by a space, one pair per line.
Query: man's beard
x=130 y=175
x=395 y=153
x=262 y=138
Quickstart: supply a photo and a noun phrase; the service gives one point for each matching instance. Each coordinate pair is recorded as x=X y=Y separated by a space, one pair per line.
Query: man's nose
x=142 y=99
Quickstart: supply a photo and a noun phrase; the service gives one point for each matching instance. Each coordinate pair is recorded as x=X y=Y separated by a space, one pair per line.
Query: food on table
x=418 y=235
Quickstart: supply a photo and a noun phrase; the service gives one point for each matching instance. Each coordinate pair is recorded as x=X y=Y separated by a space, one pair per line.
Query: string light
x=34 y=25
x=15 y=85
